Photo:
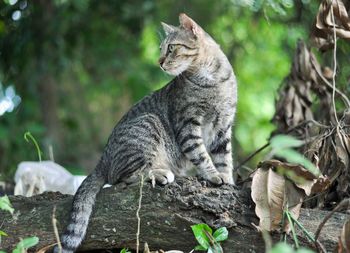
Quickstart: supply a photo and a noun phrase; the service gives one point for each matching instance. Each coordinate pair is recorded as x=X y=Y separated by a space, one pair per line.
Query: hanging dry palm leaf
x=322 y=33
x=294 y=104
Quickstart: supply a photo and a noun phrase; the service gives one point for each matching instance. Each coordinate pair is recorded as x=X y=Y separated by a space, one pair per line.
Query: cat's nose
x=161 y=61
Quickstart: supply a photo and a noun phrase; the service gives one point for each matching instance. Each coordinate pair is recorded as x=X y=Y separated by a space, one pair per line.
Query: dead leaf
x=272 y=194
x=298 y=170
x=46 y=248
x=301 y=177
x=322 y=33
x=344 y=239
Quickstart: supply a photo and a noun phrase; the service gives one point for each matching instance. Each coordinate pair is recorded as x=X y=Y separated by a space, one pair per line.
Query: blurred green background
x=78 y=65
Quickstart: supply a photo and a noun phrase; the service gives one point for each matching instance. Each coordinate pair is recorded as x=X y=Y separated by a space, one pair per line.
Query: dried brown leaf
x=297 y=169
x=344 y=239
x=295 y=100
x=273 y=194
x=342 y=149
x=301 y=177
x=322 y=31
x=46 y=248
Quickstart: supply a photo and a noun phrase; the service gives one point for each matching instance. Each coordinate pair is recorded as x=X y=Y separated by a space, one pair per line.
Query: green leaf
x=200 y=248
x=17 y=250
x=282 y=146
x=25 y=244
x=2 y=251
x=216 y=248
x=2 y=233
x=293 y=156
x=124 y=250
x=198 y=231
x=284 y=141
x=221 y=234
x=5 y=204
x=281 y=247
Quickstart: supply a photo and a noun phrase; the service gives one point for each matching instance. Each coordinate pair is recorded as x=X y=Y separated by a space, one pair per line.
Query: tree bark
x=167 y=214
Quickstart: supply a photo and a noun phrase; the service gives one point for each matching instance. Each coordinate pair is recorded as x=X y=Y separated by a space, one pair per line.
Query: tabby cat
x=183 y=125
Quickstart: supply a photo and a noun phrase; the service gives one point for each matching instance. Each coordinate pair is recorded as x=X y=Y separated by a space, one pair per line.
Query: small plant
x=25 y=243
x=5 y=204
x=124 y=250
x=292 y=221
x=28 y=136
x=207 y=240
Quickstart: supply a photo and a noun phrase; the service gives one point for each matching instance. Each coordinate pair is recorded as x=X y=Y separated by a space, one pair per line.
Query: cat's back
x=153 y=104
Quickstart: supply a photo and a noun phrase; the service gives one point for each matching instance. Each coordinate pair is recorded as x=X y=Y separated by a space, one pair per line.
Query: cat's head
x=180 y=49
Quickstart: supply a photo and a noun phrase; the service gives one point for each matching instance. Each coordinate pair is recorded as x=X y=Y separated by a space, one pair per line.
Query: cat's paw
x=214 y=178
x=226 y=178
x=220 y=178
x=161 y=176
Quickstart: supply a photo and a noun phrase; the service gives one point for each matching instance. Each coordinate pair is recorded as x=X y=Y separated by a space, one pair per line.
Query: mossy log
x=167 y=214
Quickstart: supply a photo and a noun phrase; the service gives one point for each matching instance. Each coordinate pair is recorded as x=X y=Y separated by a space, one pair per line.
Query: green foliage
x=282 y=147
x=5 y=204
x=282 y=247
x=207 y=240
x=94 y=59
x=285 y=141
x=199 y=232
x=124 y=250
x=25 y=244
x=221 y=234
x=278 y=6
x=28 y=136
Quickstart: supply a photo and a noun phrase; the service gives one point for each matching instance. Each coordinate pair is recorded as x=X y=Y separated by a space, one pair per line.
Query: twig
x=334 y=64
x=345 y=98
x=138 y=217
x=343 y=203
x=310 y=139
x=55 y=230
x=268 y=143
x=252 y=155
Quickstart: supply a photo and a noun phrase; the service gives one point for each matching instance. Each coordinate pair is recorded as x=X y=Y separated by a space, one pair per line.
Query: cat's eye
x=171 y=48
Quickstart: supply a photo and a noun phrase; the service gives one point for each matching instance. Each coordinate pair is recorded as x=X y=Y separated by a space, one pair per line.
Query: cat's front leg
x=192 y=146
x=221 y=153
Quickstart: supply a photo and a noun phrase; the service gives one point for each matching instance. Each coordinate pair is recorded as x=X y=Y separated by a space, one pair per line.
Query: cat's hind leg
x=221 y=154
x=139 y=148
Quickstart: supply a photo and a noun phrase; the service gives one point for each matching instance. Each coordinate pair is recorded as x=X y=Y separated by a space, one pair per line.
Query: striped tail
x=83 y=203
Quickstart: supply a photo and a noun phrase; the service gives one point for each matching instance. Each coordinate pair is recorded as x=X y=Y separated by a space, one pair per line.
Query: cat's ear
x=187 y=23
x=168 y=28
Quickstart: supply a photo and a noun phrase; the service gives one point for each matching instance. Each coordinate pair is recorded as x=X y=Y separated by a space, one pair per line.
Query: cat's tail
x=82 y=206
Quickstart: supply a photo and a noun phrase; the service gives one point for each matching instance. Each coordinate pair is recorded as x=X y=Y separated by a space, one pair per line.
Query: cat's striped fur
x=184 y=125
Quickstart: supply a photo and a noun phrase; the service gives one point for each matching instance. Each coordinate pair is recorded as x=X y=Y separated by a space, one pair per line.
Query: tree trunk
x=166 y=216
